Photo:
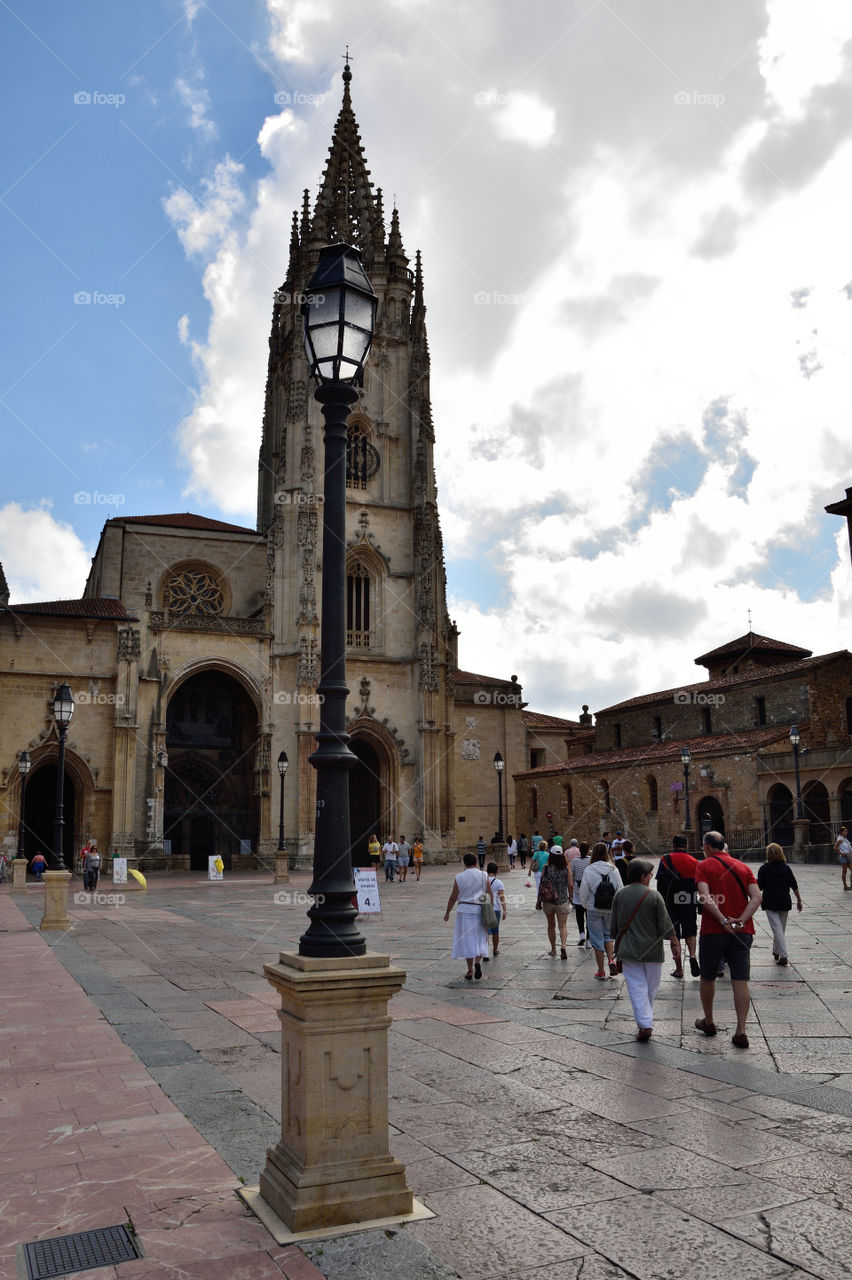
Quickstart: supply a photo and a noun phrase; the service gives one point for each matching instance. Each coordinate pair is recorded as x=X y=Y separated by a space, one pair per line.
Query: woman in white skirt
x=470 y=940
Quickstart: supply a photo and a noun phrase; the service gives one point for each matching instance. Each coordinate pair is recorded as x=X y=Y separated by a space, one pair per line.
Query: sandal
x=468 y=977
x=477 y=971
x=740 y=1040
x=563 y=954
x=694 y=968
x=709 y=1028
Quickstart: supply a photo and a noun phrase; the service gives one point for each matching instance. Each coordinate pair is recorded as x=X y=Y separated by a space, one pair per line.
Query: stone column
x=282 y=867
x=801 y=834
x=500 y=854
x=332 y=1165
x=19 y=876
x=56 y=900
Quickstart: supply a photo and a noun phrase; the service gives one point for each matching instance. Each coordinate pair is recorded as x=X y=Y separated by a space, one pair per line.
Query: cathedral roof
x=470 y=677
x=753 y=644
x=536 y=720
x=184 y=520
x=87 y=607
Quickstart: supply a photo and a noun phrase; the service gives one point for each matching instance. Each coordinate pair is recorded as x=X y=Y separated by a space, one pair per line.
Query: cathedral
x=193 y=653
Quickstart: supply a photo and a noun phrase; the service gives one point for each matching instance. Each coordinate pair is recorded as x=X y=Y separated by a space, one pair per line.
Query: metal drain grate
x=80 y=1252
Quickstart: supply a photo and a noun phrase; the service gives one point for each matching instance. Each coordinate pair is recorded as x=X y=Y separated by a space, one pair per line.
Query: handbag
x=489 y=915
x=548 y=890
x=618 y=966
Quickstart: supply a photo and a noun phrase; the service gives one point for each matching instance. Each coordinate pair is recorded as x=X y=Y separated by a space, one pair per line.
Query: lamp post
x=283 y=765
x=340 y=315
x=332 y=1165
x=56 y=878
x=685 y=760
x=795 y=739
x=499 y=765
x=24 y=766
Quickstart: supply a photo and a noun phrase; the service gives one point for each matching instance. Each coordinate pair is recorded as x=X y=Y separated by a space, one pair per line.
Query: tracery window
x=193 y=591
x=358 y=607
x=362 y=458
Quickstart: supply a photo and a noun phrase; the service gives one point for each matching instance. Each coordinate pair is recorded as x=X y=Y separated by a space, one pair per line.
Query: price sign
x=367 y=889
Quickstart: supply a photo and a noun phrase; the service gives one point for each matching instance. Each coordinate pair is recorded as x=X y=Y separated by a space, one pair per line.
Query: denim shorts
x=597 y=927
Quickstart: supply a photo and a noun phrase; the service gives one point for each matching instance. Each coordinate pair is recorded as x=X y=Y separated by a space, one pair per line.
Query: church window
x=569 y=799
x=362 y=458
x=534 y=799
x=607 y=798
x=617 y=732
x=358 y=607
x=193 y=591
x=760 y=708
x=653 y=793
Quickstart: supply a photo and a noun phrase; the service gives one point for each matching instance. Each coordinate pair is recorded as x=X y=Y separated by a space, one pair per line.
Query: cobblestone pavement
x=548 y=1142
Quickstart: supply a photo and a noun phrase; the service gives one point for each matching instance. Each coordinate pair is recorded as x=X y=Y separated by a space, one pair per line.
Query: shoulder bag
x=489 y=915
x=626 y=927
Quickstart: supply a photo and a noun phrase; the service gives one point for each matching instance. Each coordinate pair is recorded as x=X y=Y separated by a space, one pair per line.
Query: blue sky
x=634 y=225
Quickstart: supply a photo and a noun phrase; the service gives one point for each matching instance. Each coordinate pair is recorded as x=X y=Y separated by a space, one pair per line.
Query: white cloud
x=196 y=99
x=203 y=225
x=40 y=555
x=519 y=117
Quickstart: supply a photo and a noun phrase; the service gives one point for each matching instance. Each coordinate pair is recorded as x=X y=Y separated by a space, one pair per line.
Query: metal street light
x=24 y=766
x=685 y=760
x=63 y=710
x=795 y=739
x=283 y=766
x=340 y=316
x=499 y=765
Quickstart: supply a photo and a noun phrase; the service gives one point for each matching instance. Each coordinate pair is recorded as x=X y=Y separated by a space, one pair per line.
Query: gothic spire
x=395 y=251
x=346 y=207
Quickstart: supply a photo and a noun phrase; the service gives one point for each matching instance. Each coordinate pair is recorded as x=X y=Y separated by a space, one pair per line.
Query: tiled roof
x=709 y=744
x=754 y=675
x=470 y=677
x=751 y=642
x=88 y=607
x=535 y=720
x=185 y=520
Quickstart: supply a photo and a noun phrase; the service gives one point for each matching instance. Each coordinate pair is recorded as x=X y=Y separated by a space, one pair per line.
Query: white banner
x=119 y=871
x=367 y=888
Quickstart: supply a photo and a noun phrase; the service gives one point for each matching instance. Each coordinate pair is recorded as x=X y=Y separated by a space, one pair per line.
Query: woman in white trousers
x=640 y=925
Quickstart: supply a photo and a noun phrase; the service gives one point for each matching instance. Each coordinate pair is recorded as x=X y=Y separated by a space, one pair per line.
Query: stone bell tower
x=401 y=645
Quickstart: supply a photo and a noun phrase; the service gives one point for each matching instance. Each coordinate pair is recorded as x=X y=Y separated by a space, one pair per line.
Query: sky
x=634 y=220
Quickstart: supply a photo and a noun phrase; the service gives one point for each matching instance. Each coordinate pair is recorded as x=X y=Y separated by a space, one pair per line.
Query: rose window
x=193 y=591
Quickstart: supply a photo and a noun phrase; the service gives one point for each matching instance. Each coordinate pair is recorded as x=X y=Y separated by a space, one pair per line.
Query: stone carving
x=129 y=644
x=470 y=722
x=296 y=400
x=306 y=528
x=193 y=592
x=420 y=478
x=308 y=666
x=470 y=749
x=307 y=593
x=211 y=624
x=428 y=667
x=307 y=459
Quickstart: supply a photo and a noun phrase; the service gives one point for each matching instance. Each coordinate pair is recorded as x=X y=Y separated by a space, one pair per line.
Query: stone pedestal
x=19 y=876
x=500 y=854
x=801 y=839
x=282 y=867
x=332 y=1165
x=56 y=900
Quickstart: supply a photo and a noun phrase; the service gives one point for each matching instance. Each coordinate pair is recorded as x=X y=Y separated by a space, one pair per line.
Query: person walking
x=538 y=862
x=729 y=896
x=843 y=849
x=403 y=858
x=598 y=888
x=389 y=850
x=91 y=866
x=554 y=899
x=470 y=941
x=512 y=852
x=523 y=848
x=481 y=851
x=417 y=858
x=640 y=924
x=676 y=874
x=776 y=881
x=578 y=866
x=498 y=897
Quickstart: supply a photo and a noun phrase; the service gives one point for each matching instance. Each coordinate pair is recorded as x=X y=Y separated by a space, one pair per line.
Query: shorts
x=685 y=921
x=597 y=927
x=562 y=909
x=496 y=929
x=403 y=862
x=732 y=948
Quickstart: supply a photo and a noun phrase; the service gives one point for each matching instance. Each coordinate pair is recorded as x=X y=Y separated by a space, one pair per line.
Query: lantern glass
x=685 y=755
x=795 y=736
x=63 y=705
x=340 y=314
x=498 y=762
x=283 y=763
x=24 y=763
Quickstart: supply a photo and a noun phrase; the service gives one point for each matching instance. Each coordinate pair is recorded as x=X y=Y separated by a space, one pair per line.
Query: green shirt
x=651 y=925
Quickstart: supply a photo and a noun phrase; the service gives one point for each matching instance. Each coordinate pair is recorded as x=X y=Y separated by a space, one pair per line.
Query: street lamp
x=685 y=760
x=340 y=315
x=795 y=739
x=63 y=710
x=24 y=766
x=283 y=765
x=499 y=765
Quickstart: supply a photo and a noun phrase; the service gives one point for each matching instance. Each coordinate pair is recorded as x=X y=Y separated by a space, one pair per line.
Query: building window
x=849 y=715
x=707 y=719
x=193 y=593
x=760 y=708
x=535 y=802
x=607 y=799
x=358 y=607
x=653 y=793
x=658 y=728
x=569 y=799
x=537 y=757
x=362 y=458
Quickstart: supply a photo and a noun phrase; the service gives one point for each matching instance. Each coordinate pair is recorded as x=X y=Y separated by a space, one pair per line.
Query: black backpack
x=604 y=893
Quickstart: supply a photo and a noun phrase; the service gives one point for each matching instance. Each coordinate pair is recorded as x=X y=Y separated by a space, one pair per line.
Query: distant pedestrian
x=512 y=852
x=523 y=849
x=639 y=924
x=729 y=896
x=481 y=852
x=538 y=862
x=470 y=941
x=676 y=879
x=2 y=867
x=578 y=866
x=389 y=850
x=374 y=849
x=91 y=866
x=598 y=888
x=843 y=849
x=776 y=881
x=417 y=857
x=403 y=858
x=554 y=899
x=38 y=866
x=498 y=897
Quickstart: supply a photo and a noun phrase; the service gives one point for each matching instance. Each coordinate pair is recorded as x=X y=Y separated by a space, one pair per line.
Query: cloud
x=40 y=555
x=204 y=224
x=196 y=99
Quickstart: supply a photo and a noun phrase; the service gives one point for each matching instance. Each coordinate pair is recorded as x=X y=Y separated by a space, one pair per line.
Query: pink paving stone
x=248 y=1266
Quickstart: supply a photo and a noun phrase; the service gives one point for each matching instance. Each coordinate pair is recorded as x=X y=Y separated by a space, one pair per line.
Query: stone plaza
x=143 y=1084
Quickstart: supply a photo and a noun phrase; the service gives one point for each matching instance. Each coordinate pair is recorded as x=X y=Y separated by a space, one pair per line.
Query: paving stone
x=809 y=1234
x=377 y=1253
x=537 y=1175
x=812 y=1173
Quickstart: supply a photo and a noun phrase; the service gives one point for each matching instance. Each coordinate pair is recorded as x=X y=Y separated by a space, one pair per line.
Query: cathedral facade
x=193 y=654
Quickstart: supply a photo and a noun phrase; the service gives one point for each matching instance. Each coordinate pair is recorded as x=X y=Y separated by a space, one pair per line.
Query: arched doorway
x=781 y=814
x=710 y=817
x=211 y=739
x=844 y=791
x=815 y=801
x=365 y=800
x=39 y=810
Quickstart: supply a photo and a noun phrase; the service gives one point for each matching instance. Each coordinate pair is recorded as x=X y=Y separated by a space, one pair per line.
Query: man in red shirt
x=676 y=877
x=729 y=896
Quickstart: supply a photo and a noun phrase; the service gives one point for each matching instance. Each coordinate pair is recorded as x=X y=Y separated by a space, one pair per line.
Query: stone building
x=193 y=654
x=736 y=725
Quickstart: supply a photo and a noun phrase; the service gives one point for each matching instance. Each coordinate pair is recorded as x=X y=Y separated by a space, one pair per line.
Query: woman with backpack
x=597 y=890
x=554 y=899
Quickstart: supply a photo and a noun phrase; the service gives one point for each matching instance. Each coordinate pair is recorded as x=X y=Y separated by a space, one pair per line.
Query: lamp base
x=19 y=876
x=56 y=900
x=282 y=867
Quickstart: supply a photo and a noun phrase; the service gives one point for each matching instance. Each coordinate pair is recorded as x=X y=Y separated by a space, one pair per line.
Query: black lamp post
x=795 y=739
x=499 y=764
x=24 y=766
x=63 y=710
x=283 y=765
x=340 y=316
x=685 y=760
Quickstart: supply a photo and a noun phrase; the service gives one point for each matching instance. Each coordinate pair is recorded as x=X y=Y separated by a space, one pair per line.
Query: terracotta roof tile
x=470 y=677
x=185 y=520
x=535 y=720
x=751 y=641
x=87 y=607
x=710 y=744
